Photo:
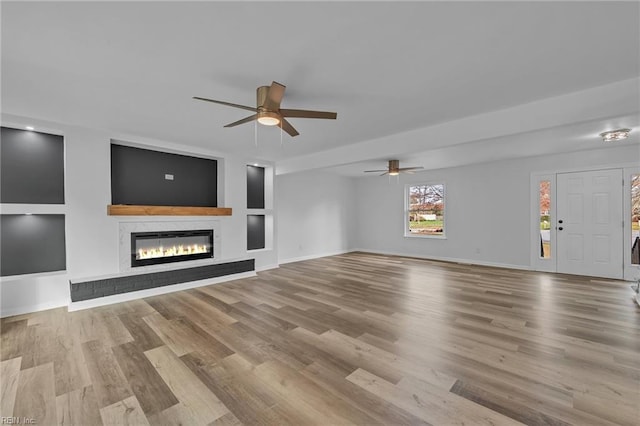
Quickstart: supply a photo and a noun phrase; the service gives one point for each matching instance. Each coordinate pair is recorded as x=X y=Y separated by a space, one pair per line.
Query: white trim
x=267 y=267
x=313 y=256
x=260 y=250
x=434 y=237
x=30 y=309
x=162 y=149
x=10 y=278
x=587 y=169
x=37 y=128
x=133 y=295
x=447 y=259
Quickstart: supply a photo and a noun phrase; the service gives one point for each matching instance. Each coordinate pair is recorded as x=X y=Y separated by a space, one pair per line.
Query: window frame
x=631 y=270
x=539 y=263
x=407 y=209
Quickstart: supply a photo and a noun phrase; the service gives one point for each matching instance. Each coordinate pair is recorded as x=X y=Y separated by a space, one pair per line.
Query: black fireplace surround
x=152 y=248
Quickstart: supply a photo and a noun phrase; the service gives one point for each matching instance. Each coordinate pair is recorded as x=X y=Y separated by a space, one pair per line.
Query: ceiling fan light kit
x=615 y=135
x=268 y=118
x=268 y=112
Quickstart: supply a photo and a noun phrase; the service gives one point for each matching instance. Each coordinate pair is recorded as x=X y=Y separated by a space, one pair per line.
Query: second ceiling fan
x=268 y=112
x=394 y=169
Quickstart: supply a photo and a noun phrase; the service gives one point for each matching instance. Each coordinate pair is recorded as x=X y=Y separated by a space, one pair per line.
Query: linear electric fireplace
x=152 y=248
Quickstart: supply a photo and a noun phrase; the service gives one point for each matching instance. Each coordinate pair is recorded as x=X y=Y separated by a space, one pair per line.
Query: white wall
x=91 y=235
x=314 y=215
x=487 y=208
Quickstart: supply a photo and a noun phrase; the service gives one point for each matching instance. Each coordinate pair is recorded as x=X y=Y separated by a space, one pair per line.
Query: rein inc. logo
x=17 y=421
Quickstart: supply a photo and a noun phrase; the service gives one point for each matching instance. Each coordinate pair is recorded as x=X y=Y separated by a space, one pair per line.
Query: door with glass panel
x=589 y=223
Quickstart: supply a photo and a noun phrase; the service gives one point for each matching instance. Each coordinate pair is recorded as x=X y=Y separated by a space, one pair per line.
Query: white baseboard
x=447 y=259
x=31 y=308
x=125 y=297
x=311 y=256
x=267 y=267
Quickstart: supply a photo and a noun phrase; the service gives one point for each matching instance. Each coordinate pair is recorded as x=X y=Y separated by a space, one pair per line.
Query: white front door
x=589 y=223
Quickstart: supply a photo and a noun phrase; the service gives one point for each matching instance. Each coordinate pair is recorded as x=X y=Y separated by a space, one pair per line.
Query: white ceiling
x=385 y=67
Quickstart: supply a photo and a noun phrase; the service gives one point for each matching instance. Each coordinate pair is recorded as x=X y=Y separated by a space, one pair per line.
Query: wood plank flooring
x=351 y=339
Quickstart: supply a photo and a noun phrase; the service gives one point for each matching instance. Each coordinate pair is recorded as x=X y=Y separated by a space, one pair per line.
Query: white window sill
x=435 y=237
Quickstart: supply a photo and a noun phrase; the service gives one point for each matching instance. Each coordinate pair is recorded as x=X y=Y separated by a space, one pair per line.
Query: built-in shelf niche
x=256 y=217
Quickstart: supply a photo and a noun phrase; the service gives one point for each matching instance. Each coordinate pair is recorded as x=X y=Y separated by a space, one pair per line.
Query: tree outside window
x=545 y=219
x=635 y=219
x=426 y=210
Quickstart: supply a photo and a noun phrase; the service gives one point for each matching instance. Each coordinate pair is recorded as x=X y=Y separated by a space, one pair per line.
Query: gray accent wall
x=32 y=243
x=255 y=232
x=145 y=177
x=255 y=187
x=31 y=167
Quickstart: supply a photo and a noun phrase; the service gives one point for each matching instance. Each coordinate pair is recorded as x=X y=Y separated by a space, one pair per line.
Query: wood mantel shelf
x=130 y=210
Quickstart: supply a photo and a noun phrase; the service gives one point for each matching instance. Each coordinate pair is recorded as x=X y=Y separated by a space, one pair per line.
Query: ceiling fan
x=268 y=111
x=394 y=169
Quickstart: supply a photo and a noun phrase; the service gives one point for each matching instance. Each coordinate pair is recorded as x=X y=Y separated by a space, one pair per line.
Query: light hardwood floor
x=350 y=339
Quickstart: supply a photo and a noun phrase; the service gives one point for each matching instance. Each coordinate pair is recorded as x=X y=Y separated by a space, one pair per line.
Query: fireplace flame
x=181 y=250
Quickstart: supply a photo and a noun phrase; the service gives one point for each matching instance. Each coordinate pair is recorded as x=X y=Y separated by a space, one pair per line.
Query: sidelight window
x=635 y=219
x=544 y=209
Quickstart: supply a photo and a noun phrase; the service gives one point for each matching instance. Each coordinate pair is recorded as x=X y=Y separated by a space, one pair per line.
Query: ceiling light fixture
x=30 y=128
x=615 y=135
x=268 y=118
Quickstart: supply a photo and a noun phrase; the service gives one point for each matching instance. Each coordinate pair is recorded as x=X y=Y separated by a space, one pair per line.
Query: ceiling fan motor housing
x=261 y=96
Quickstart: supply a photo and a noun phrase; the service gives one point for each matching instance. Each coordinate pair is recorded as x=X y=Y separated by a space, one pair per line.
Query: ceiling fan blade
x=287 y=127
x=408 y=169
x=244 y=120
x=385 y=173
x=301 y=113
x=375 y=171
x=274 y=96
x=248 y=108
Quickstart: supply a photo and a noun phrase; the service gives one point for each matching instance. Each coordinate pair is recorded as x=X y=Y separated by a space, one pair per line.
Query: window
x=544 y=208
x=425 y=210
x=635 y=219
